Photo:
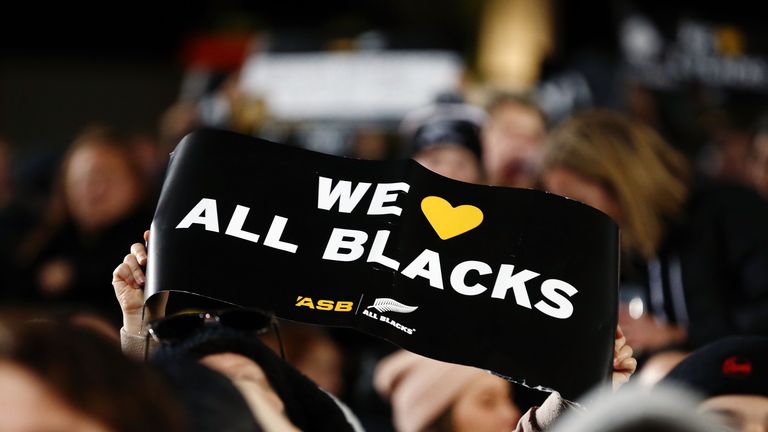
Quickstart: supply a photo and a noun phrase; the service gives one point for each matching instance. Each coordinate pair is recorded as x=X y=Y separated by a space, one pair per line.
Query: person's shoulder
x=709 y=195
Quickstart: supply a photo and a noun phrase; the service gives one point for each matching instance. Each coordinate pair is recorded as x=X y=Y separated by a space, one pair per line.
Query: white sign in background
x=350 y=86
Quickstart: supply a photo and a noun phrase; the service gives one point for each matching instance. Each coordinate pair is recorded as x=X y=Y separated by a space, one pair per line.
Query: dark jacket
x=711 y=272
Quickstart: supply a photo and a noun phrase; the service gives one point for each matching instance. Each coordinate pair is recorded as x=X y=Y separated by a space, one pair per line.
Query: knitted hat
x=306 y=405
x=420 y=389
x=444 y=123
x=733 y=365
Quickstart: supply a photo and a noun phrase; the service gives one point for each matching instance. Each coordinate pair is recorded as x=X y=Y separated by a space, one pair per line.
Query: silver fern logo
x=390 y=305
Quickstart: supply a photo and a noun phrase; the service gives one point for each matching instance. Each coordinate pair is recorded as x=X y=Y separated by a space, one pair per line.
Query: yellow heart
x=449 y=221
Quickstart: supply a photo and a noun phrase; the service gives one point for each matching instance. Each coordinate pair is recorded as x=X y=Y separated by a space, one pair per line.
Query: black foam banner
x=519 y=282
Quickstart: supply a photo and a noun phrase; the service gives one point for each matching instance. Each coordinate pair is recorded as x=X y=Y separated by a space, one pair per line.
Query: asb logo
x=384 y=305
x=324 y=305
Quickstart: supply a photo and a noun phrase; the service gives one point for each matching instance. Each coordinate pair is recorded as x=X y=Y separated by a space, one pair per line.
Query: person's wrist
x=132 y=322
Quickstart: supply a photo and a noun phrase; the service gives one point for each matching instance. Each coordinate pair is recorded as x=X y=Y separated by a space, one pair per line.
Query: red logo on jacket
x=737 y=366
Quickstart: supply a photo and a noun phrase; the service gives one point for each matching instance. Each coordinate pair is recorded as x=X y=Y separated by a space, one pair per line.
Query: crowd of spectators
x=693 y=288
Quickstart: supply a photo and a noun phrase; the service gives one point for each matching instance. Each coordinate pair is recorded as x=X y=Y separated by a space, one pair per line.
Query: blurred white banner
x=350 y=86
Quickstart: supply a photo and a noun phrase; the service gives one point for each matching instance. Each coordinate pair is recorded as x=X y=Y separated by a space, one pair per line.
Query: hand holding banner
x=519 y=282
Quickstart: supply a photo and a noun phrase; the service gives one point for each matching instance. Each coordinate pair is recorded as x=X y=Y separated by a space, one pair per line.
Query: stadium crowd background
x=521 y=93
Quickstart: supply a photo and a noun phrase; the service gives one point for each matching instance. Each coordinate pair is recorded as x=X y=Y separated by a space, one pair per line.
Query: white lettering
x=275 y=232
x=506 y=280
x=459 y=274
x=383 y=194
x=235 y=227
x=426 y=265
x=351 y=240
x=550 y=289
x=203 y=213
x=377 y=251
x=342 y=192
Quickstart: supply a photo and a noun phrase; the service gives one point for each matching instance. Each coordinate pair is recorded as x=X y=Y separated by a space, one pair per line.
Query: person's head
x=62 y=377
x=732 y=375
x=633 y=409
x=445 y=138
x=512 y=140
x=758 y=165
x=621 y=167
x=269 y=384
x=193 y=384
x=429 y=395
x=100 y=181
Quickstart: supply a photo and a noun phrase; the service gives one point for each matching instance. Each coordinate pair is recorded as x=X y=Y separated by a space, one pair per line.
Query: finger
x=619 y=379
x=628 y=366
x=625 y=353
x=123 y=274
x=619 y=332
x=140 y=252
x=133 y=264
x=146 y=236
x=619 y=343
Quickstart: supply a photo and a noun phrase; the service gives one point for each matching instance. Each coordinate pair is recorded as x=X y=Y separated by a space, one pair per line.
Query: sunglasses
x=178 y=327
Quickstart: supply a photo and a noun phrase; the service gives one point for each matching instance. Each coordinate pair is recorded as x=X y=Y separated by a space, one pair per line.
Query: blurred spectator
x=15 y=219
x=58 y=377
x=177 y=121
x=668 y=409
x=145 y=150
x=732 y=375
x=697 y=252
x=97 y=207
x=275 y=391
x=17 y=211
x=193 y=384
x=512 y=140
x=445 y=138
x=312 y=351
x=657 y=367
x=429 y=395
x=758 y=165
x=370 y=143
x=729 y=153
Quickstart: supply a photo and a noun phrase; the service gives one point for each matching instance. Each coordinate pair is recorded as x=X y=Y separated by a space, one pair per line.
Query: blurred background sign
x=349 y=86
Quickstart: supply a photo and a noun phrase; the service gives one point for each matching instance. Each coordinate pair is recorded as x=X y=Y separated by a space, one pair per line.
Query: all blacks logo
x=381 y=306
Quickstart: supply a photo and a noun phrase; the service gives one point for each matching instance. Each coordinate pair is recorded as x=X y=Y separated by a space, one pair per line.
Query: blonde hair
x=646 y=176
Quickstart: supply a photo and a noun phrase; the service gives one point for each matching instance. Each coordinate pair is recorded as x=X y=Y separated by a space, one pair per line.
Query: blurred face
x=759 y=165
x=741 y=413
x=567 y=183
x=322 y=364
x=28 y=405
x=512 y=141
x=485 y=406
x=452 y=161
x=99 y=186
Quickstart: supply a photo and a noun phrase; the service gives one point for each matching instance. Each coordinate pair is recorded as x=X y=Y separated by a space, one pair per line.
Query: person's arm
x=128 y=282
x=541 y=418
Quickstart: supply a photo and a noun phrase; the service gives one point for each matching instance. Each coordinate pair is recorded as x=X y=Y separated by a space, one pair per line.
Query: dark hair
x=652 y=425
x=211 y=400
x=90 y=374
x=306 y=405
